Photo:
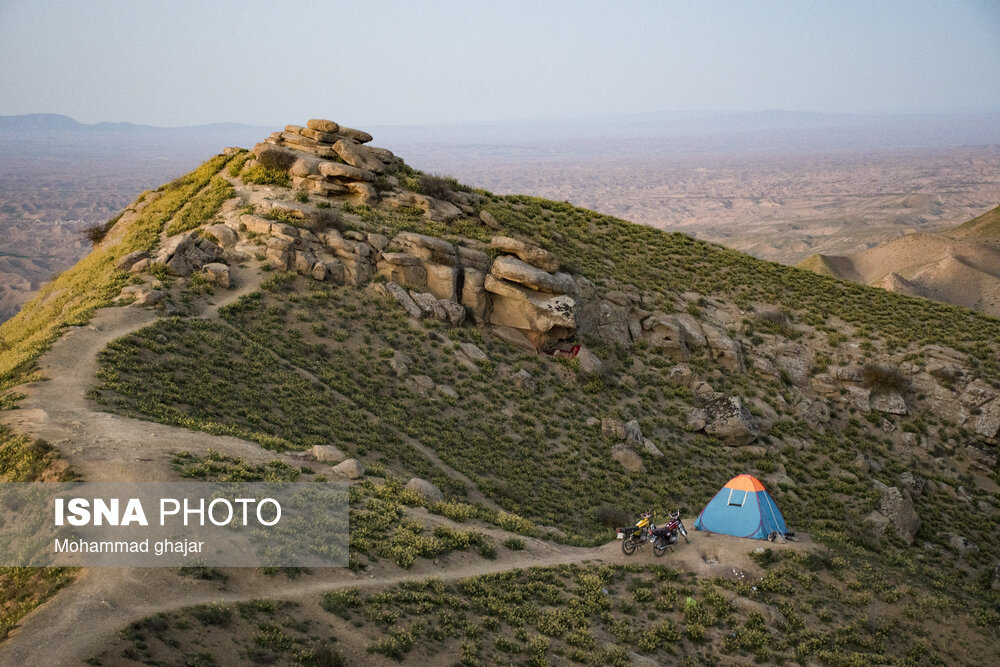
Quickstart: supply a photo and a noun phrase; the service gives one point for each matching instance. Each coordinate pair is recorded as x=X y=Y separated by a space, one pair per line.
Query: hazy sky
x=409 y=62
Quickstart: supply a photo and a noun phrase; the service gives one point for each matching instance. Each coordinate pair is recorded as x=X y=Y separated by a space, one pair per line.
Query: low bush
x=261 y=175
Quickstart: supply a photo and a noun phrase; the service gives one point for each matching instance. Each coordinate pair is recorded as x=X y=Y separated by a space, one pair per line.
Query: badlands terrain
x=317 y=308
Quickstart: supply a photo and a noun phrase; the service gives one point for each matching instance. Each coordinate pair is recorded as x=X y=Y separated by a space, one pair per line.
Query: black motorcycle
x=666 y=537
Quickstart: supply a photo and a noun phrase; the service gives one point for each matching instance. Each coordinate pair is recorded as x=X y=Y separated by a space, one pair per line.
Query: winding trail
x=104 y=447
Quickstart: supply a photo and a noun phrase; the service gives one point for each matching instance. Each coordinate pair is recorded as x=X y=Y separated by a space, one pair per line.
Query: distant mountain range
x=58 y=122
x=681 y=131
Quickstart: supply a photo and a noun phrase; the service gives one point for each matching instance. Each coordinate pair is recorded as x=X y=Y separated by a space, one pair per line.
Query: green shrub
x=514 y=544
x=261 y=175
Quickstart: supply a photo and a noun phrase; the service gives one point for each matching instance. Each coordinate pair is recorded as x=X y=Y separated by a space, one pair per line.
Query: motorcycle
x=633 y=537
x=645 y=530
x=666 y=537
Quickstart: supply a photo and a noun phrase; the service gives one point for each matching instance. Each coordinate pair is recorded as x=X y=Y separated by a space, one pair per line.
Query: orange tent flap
x=744 y=483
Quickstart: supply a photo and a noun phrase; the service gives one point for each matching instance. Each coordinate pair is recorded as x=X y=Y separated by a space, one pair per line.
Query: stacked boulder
x=526 y=291
x=326 y=158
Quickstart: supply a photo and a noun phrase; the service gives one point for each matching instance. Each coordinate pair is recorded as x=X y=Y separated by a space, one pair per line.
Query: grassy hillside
x=985 y=228
x=303 y=362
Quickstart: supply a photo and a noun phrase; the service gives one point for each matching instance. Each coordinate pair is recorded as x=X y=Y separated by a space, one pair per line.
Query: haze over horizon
x=384 y=64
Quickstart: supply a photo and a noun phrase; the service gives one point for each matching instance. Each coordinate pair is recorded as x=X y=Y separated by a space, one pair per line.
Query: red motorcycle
x=666 y=537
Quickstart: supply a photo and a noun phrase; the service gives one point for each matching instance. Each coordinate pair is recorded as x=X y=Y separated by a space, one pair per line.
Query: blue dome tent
x=743 y=508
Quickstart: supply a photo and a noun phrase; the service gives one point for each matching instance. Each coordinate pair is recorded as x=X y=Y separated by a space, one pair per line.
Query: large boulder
x=217 y=274
x=473 y=352
x=628 y=458
x=521 y=308
x=664 y=331
x=525 y=381
x=256 y=224
x=424 y=488
x=988 y=421
x=538 y=257
x=327 y=454
x=726 y=350
x=474 y=259
x=359 y=136
x=429 y=305
x=732 y=422
x=323 y=125
x=589 y=362
x=633 y=434
x=351 y=469
x=613 y=428
x=345 y=172
x=891 y=402
x=274 y=157
x=522 y=273
x=223 y=235
x=357 y=156
x=454 y=311
x=694 y=335
x=404 y=299
x=607 y=320
x=898 y=512
x=279 y=253
x=858 y=397
x=442 y=281
x=305 y=166
x=515 y=338
x=695 y=419
x=330 y=269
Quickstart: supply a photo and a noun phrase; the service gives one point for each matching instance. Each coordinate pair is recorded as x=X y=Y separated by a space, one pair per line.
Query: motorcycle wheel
x=658 y=549
x=628 y=546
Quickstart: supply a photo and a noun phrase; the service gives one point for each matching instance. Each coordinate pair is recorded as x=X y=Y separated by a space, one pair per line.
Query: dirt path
x=85 y=619
x=105 y=447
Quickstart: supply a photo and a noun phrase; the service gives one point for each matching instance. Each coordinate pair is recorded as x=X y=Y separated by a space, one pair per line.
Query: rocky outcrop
x=185 y=253
x=530 y=311
x=730 y=421
x=896 y=510
x=330 y=162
